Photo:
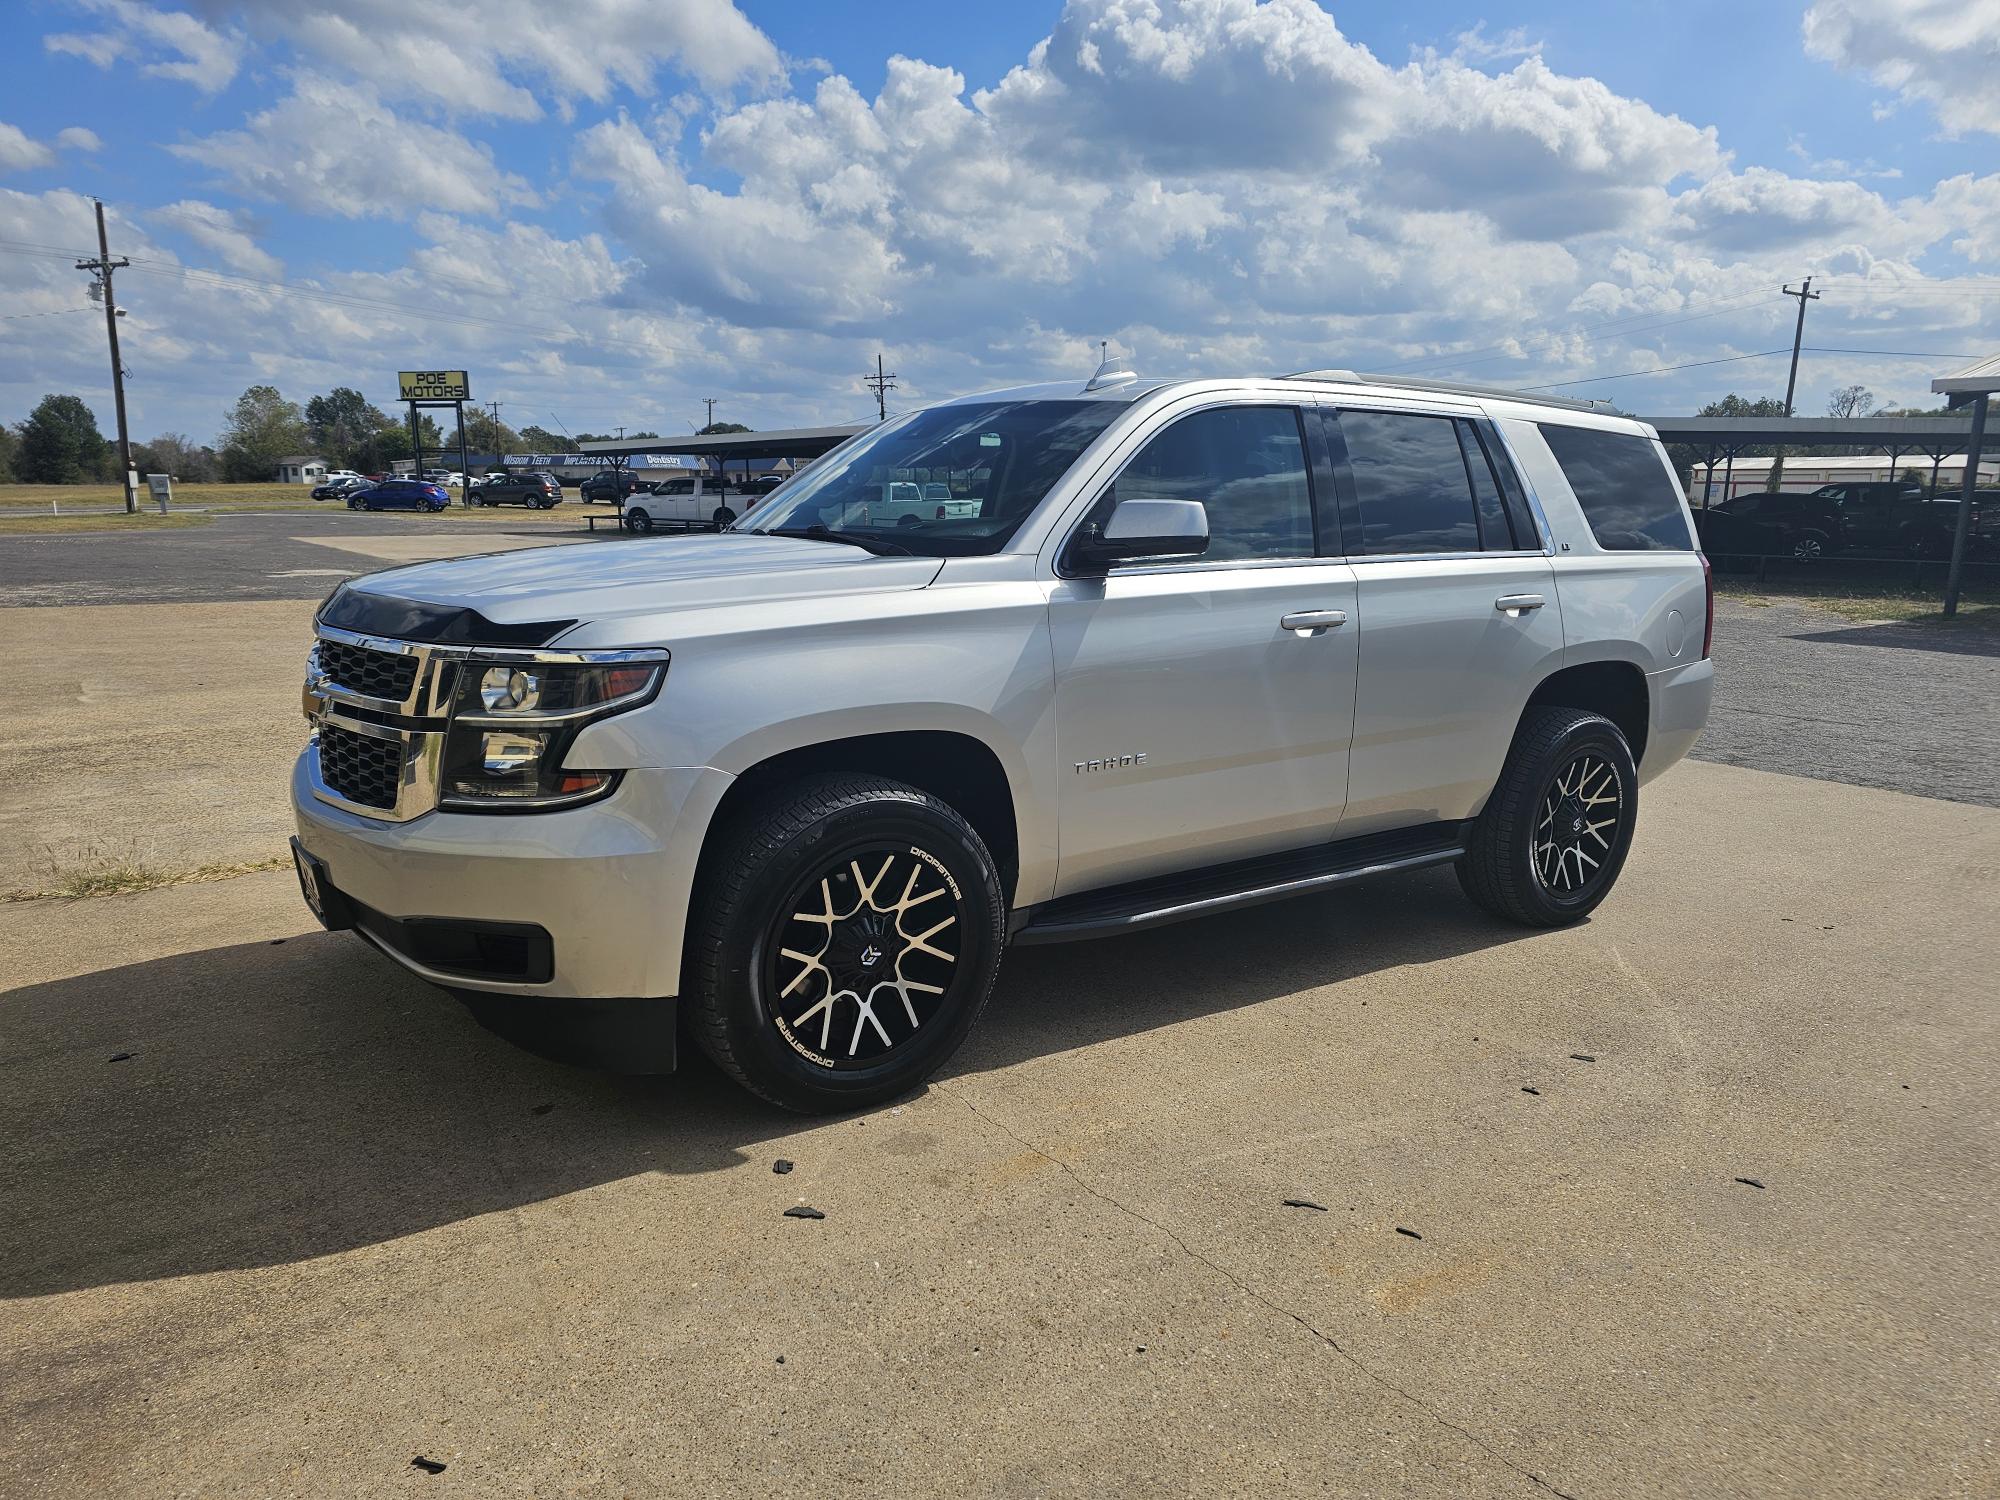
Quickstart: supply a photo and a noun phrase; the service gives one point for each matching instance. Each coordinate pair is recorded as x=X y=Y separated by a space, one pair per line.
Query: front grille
x=379 y=674
x=363 y=769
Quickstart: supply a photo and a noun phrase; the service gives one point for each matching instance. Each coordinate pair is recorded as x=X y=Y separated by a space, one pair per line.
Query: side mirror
x=1143 y=528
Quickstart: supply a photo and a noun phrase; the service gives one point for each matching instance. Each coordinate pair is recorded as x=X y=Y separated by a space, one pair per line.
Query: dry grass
x=39 y=497
x=27 y=523
x=1864 y=601
x=121 y=880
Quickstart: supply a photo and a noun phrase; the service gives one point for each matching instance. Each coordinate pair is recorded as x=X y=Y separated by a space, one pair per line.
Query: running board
x=1247 y=882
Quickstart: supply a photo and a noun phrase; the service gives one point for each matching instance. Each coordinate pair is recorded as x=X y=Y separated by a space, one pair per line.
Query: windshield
x=947 y=482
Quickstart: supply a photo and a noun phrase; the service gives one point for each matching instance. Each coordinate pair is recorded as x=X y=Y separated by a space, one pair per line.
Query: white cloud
x=19 y=152
x=196 y=53
x=1942 y=53
x=224 y=233
x=78 y=138
x=335 y=148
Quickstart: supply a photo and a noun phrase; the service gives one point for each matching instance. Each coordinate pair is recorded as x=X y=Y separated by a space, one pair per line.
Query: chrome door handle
x=1518 y=604
x=1303 y=620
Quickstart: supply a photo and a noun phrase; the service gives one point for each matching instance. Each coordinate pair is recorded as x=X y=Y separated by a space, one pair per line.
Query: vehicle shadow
x=1955 y=641
x=290 y=1100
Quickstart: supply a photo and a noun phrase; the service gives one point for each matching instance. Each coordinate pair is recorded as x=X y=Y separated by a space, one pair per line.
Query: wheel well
x=1616 y=689
x=955 y=768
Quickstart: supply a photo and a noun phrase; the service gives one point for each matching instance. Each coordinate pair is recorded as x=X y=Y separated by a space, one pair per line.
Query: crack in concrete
x=1256 y=1296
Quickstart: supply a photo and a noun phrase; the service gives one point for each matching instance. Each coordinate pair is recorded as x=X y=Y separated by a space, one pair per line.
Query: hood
x=584 y=581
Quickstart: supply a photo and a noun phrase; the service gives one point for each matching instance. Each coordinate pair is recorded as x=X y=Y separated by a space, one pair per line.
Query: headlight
x=514 y=719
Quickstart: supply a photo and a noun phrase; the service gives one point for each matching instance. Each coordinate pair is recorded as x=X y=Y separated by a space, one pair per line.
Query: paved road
x=1913 y=708
x=317 y=1224
x=276 y=555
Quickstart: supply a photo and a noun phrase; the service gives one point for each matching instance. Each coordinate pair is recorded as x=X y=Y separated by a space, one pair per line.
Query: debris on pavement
x=428 y=1465
x=1305 y=1203
x=541 y=1109
x=1410 y=1232
x=119 y=1057
x=781 y=1166
x=1526 y=1090
x=1581 y=1057
x=1751 y=1182
x=802 y=1211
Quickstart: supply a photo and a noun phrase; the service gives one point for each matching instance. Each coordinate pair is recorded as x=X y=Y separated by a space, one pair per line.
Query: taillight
x=1708 y=592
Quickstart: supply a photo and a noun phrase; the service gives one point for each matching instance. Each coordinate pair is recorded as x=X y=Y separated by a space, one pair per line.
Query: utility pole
x=881 y=382
x=102 y=268
x=1805 y=294
x=709 y=402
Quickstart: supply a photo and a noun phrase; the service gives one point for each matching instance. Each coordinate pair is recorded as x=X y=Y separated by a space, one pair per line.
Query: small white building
x=301 y=468
x=1810 y=471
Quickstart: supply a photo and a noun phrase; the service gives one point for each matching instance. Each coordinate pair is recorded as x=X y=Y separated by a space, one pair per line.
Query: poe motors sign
x=433 y=385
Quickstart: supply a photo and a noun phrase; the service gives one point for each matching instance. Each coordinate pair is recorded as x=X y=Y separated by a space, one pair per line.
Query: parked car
x=1779 y=523
x=400 y=494
x=340 y=489
x=611 y=485
x=1895 y=517
x=536 y=491
x=691 y=499
x=1192 y=645
x=334 y=476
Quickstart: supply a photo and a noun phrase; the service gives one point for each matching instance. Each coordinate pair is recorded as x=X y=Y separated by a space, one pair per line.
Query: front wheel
x=1809 y=547
x=1556 y=829
x=845 y=940
x=354 y=505
x=638 y=522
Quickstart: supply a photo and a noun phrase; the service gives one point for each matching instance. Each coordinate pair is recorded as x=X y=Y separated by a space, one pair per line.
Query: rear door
x=1458 y=610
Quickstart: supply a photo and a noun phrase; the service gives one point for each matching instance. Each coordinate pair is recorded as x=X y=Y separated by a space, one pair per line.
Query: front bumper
x=608 y=882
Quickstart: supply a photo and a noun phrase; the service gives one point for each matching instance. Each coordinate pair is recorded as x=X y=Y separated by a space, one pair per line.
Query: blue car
x=400 y=494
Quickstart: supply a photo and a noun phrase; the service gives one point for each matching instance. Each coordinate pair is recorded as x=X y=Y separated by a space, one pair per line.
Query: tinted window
x=1494 y=532
x=1626 y=492
x=1410 y=483
x=1246 y=464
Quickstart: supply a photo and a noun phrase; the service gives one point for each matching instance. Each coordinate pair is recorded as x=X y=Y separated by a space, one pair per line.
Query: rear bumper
x=1680 y=698
x=607 y=886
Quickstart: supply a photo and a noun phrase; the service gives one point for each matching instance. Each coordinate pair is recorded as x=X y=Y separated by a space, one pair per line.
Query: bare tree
x=1850 y=401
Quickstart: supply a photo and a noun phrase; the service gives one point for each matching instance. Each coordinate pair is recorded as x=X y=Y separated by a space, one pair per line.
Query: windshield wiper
x=880 y=546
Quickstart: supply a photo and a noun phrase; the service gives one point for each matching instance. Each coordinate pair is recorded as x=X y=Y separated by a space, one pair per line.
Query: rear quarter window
x=1626 y=491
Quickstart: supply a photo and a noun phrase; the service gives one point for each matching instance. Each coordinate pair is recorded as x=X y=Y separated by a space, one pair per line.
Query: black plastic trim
x=1140 y=904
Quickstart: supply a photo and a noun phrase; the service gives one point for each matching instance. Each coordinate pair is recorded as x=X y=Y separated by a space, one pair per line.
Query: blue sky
x=608 y=212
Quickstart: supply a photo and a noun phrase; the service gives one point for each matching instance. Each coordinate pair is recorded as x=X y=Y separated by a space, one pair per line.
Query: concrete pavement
x=318 y=1223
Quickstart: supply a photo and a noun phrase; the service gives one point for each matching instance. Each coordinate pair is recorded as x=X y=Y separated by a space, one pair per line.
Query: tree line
x=59 y=442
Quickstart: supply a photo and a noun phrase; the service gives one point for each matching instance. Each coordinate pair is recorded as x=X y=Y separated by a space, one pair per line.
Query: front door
x=1194 y=724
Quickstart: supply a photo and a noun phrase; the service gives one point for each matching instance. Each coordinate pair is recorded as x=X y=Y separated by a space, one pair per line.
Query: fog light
x=504 y=754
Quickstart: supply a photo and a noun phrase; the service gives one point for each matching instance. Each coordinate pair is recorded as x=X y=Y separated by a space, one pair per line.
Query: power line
x=1897 y=353
x=57 y=313
x=1661 y=370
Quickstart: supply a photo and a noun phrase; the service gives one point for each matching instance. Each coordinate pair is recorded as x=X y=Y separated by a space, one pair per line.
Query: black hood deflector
x=367 y=613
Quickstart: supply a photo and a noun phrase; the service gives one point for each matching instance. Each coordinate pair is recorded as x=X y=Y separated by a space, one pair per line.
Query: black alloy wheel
x=1810 y=547
x=861 y=953
x=844 y=939
x=1555 y=831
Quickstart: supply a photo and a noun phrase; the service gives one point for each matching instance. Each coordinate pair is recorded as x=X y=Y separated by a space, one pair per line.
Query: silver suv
x=1167 y=648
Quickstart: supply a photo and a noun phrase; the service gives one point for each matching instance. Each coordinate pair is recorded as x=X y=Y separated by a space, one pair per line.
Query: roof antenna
x=1112 y=371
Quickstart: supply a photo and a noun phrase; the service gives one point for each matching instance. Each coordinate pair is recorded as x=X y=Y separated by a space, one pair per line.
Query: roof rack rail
x=1446 y=387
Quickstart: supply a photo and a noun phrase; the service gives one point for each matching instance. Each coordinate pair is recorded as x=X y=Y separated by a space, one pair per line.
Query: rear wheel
x=723 y=515
x=1555 y=832
x=846 y=938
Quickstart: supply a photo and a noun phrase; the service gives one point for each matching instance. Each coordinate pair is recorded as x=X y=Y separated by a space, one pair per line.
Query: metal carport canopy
x=1843 y=432
x=787 y=442
x=1976 y=384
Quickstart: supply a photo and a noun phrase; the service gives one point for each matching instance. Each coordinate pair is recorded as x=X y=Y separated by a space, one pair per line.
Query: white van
x=684 y=501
